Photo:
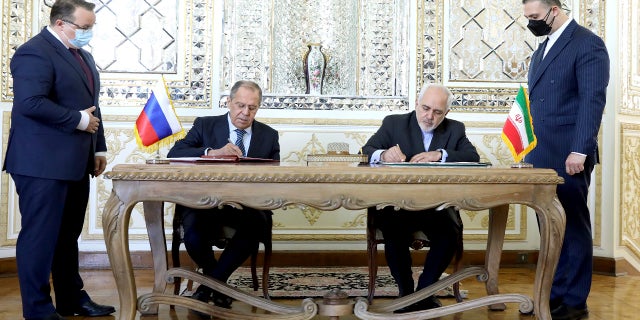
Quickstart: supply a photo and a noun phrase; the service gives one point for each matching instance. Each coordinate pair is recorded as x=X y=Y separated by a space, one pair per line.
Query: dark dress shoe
x=89 y=309
x=221 y=300
x=565 y=312
x=429 y=303
x=202 y=294
x=53 y=316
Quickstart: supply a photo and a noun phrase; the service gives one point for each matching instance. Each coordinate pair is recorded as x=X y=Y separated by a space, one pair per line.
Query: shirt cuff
x=206 y=151
x=100 y=154
x=582 y=154
x=444 y=155
x=375 y=157
x=84 y=121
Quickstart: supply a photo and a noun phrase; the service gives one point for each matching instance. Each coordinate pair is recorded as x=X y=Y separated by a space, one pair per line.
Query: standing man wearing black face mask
x=56 y=142
x=568 y=79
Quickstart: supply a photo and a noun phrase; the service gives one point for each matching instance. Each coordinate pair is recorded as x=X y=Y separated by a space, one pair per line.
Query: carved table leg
x=115 y=223
x=497 y=225
x=153 y=216
x=552 y=223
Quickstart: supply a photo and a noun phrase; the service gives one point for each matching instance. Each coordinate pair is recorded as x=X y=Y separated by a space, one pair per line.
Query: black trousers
x=199 y=236
x=443 y=228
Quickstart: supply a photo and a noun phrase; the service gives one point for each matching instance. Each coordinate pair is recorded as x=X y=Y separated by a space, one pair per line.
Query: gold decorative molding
x=258 y=174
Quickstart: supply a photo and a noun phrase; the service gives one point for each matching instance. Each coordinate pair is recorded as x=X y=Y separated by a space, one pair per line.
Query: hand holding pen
x=235 y=150
x=226 y=150
x=393 y=154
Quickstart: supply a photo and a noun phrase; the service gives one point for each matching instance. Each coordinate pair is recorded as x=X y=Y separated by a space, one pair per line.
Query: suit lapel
x=440 y=136
x=66 y=55
x=415 y=138
x=221 y=130
x=557 y=47
x=256 y=140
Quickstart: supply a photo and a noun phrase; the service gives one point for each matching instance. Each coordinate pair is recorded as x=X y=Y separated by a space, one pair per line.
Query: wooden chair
x=225 y=234
x=420 y=240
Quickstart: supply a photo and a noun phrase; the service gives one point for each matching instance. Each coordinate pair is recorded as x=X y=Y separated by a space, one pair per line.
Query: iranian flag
x=517 y=132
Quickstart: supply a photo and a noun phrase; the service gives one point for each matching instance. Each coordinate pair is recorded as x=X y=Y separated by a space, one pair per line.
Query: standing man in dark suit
x=568 y=80
x=56 y=142
x=212 y=136
x=424 y=135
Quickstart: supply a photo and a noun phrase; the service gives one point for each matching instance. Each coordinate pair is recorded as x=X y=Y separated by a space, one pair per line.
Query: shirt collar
x=554 y=36
x=56 y=35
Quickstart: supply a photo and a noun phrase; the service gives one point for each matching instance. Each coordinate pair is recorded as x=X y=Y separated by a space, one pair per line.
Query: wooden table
x=271 y=186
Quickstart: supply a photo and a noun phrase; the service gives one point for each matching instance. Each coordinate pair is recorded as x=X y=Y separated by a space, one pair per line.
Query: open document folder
x=218 y=159
x=437 y=164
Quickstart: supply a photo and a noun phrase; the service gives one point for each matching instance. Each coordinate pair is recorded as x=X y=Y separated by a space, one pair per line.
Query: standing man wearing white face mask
x=56 y=143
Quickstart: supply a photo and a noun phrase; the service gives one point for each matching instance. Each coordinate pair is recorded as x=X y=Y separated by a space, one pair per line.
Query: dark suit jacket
x=213 y=132
x=403 y=129
x=567 y=92
x=49 y=89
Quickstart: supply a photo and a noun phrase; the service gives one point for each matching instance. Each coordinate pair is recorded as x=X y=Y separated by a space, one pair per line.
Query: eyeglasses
x=77 y=26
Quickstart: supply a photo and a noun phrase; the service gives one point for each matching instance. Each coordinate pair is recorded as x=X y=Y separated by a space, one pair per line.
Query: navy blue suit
x=567 y=92
x=443 y=228
x=50 y=162
x=213 y=132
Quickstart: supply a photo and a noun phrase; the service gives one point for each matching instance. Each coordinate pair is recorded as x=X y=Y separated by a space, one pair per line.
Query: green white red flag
x=517 y=132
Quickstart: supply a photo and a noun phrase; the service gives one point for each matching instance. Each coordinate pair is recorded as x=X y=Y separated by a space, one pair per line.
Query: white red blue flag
x=158 y=120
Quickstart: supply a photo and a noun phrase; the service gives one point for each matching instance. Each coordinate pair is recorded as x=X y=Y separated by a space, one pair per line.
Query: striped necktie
x=240 y=133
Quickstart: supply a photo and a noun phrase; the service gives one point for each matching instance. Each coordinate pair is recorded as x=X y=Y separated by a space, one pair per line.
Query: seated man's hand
x=429 y=156
x=229 y=149
x=393 y=154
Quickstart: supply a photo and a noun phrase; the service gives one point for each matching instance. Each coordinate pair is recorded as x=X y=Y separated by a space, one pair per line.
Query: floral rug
x=315 y=282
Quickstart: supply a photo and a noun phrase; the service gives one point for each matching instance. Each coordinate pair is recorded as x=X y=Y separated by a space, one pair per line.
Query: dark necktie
x=542 y=48
x=85 y=68
x=240 y=133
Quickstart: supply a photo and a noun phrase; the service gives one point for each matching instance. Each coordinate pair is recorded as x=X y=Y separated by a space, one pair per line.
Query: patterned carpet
x=315 y=282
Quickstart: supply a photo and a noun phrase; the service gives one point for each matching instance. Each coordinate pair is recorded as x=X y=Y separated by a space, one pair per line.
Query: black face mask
x=540 y=27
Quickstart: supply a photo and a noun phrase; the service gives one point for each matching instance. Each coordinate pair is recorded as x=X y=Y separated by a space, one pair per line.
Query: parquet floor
x=611 y=298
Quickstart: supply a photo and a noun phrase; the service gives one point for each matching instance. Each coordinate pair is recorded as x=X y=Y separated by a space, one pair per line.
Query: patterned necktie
x=240 y=133
x=84 y=67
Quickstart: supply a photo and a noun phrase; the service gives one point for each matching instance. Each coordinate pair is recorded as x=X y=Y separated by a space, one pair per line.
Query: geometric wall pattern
x=456 y=43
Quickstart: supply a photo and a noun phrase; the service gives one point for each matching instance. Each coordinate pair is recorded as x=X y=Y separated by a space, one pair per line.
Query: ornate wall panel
x=482 y=49
x=630 y=74
x=629 y=167
x=488 y=41
x=134 y=42
x=366 y=44
x=630 y=187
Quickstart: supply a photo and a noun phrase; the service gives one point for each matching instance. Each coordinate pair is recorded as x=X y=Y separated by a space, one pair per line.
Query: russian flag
x=158 y=119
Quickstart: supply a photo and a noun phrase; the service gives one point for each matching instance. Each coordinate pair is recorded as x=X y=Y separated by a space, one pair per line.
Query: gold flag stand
x=521 y=165
x=157 y=159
